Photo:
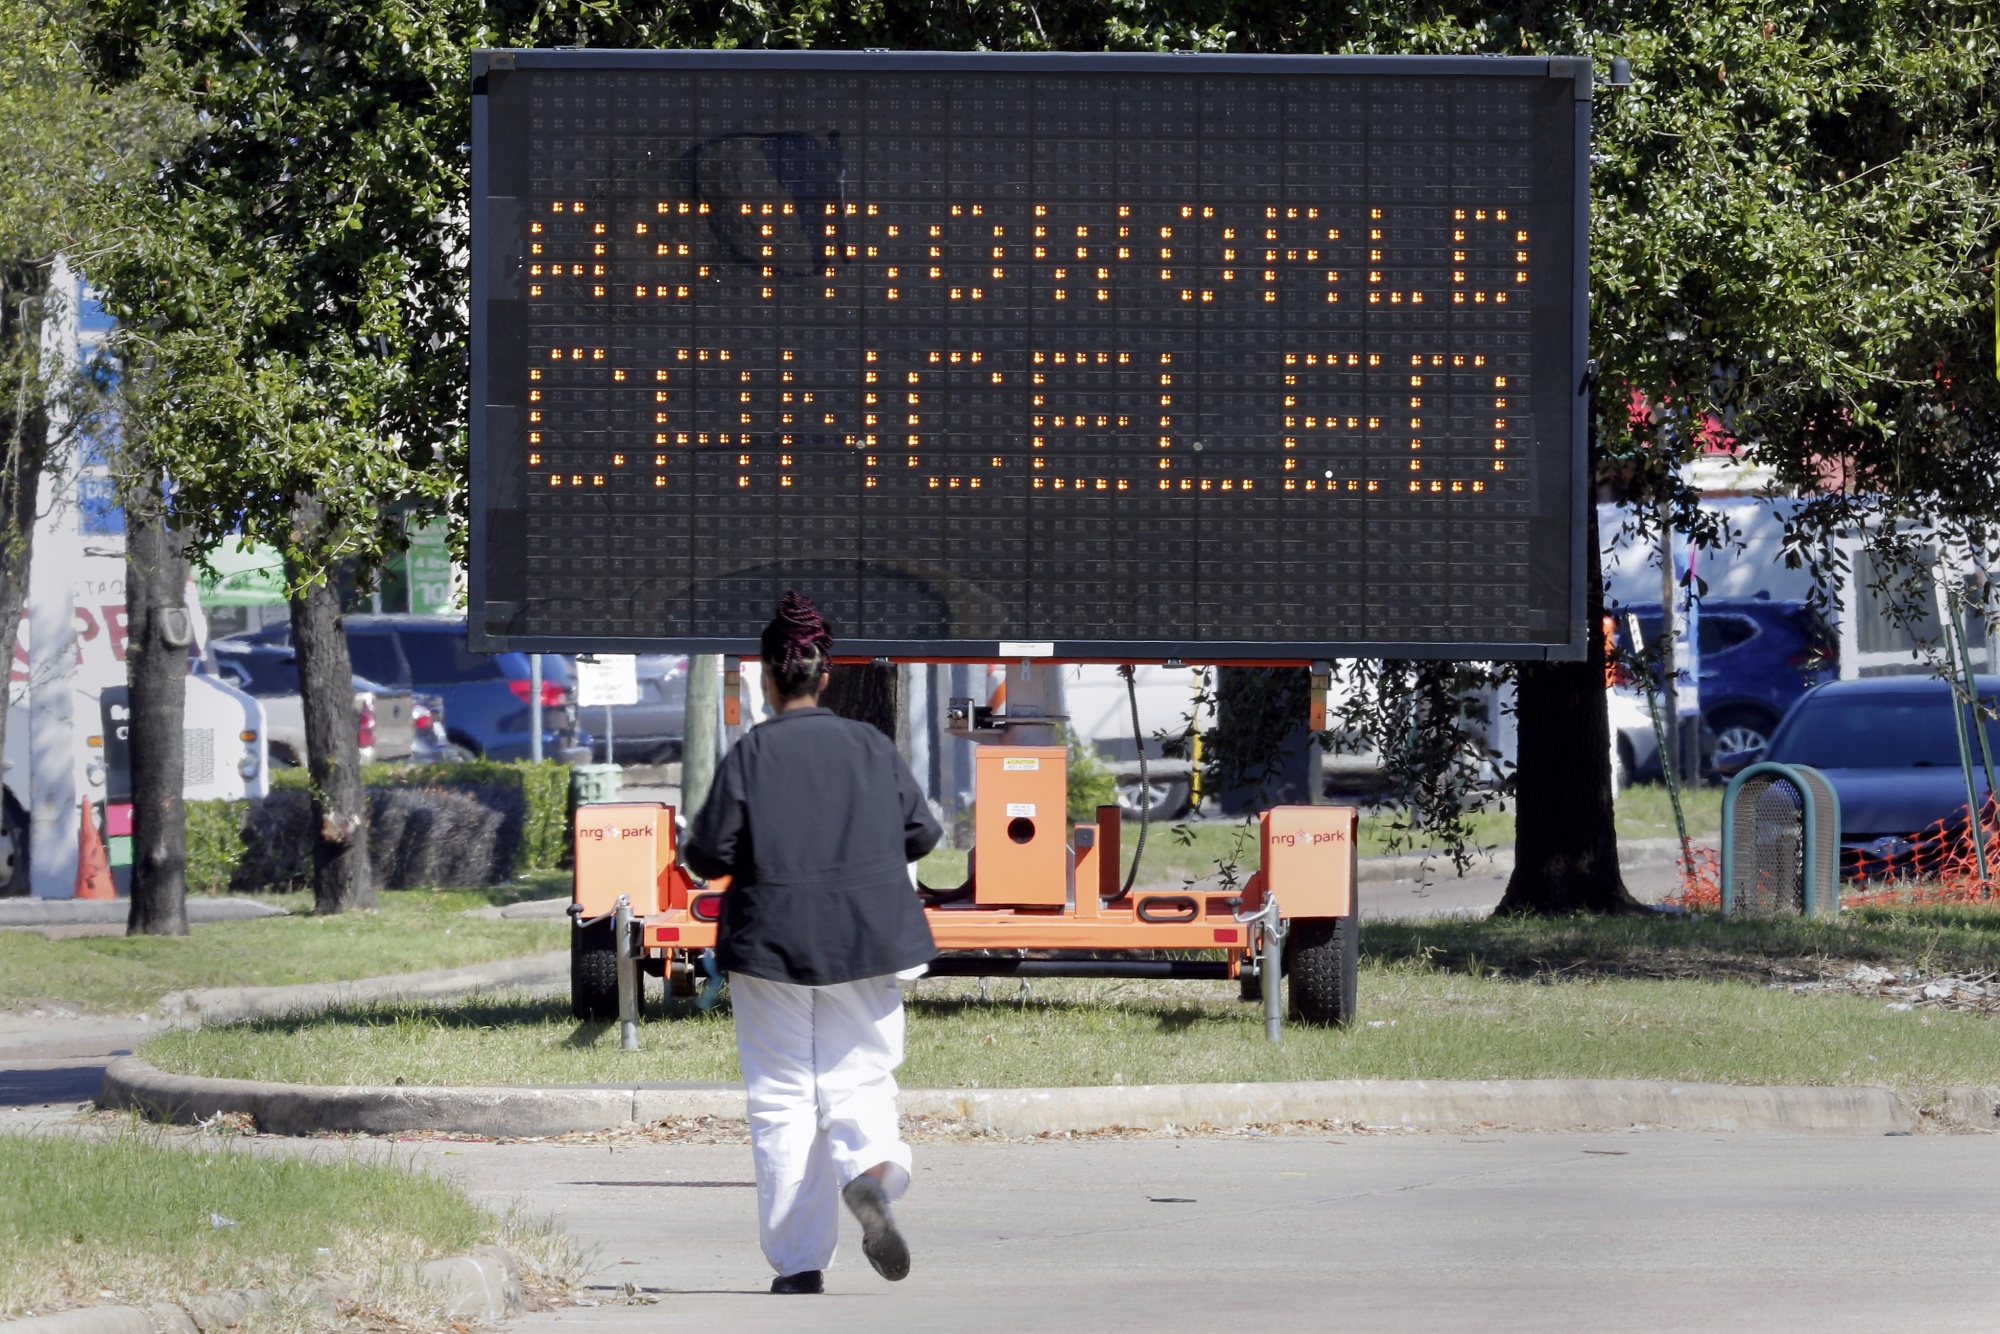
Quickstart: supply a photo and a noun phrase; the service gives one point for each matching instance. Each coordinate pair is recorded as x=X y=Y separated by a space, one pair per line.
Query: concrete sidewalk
x=1585 y=1233
x=60 y=919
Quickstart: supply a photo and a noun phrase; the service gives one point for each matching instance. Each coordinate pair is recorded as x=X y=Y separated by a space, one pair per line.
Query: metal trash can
x=592 y=783
x=1780 y=843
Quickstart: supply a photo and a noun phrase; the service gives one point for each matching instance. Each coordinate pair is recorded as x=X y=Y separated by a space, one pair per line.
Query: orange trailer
x=1043 y=900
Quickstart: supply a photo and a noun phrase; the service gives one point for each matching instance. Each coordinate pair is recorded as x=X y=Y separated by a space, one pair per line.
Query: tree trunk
x=865 y=692
x=156 y=662
x=1565 y=836
x=24 y=446
x=341 y=875
x=704 y=693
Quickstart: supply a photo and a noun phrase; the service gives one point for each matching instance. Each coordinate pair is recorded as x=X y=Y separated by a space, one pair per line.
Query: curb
x=485 y=1285
x=503 y=1110
x=202 y=910
x=94 y=1320
x=228 y=1005
x=1526 y=1104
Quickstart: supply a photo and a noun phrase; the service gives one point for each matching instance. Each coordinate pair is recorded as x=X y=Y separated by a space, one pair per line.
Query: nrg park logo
x=602 y=832
x=1305 y=838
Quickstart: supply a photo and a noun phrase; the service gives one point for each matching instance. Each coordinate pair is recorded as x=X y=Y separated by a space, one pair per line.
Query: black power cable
x=1145 y=782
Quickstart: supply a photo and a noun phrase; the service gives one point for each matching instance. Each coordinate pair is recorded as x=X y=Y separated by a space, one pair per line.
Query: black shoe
x=806 y=1280
x=880 y=1241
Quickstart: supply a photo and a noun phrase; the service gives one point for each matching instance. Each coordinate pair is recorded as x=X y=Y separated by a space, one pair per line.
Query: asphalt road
x=1628 y=1231
x=58 y=1059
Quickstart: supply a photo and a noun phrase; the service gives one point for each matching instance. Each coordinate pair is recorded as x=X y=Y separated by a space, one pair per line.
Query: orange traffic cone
x=93 y=867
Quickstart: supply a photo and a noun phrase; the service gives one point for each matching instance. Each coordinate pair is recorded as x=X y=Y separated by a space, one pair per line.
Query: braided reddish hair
x=797 y=644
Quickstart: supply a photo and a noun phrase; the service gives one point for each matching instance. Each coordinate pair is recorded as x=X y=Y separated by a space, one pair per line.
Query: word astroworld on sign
x=1256 y=359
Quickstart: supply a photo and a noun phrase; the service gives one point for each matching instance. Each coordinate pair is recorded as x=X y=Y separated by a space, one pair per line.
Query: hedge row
x=475 y=822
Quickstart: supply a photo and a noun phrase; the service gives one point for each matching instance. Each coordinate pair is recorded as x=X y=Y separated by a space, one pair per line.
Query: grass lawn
x=130 y=1219
x=413 y=929
x=1688 y=999
x=1174 y=857
x=1927 y=940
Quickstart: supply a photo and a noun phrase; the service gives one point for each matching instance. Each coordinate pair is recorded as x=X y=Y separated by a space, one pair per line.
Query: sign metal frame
x=488 y=622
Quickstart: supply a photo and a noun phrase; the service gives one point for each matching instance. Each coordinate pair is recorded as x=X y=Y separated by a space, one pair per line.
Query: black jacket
x=816 y=818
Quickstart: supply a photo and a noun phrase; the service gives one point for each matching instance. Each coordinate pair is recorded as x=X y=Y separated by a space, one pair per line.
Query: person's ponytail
x=797 y=646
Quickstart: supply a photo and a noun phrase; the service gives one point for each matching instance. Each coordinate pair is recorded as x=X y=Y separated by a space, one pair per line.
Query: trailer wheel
x=1322 y=957
x=593 y=972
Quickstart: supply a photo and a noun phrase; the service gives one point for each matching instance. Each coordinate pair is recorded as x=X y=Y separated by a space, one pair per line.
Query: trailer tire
x=593 y=972
x=1323 y=958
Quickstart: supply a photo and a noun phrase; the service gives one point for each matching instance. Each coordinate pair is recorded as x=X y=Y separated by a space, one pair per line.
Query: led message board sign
x=1127 y=357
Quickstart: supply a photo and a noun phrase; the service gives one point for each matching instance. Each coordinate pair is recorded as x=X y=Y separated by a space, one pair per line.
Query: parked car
x=484 y=695
x=1757 y=656
x=1889 y=747
x=1101 y=713
x=386 y=717
x=653 y=730
x=1632 y=739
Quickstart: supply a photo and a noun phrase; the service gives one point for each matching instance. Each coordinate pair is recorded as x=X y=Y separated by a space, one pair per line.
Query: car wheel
x=1737 y=732
x=467 y=744
x=282 y=757
x=1160 y=799
x=14 y=881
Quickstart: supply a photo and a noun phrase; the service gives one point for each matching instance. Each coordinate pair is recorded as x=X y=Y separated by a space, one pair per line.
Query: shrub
x=474 y=822
x=1090 y=784
x=416 y=836
x=214 y=844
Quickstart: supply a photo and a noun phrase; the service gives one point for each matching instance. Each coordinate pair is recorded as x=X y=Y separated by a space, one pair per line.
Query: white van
x=70 y=655
x=67 y=720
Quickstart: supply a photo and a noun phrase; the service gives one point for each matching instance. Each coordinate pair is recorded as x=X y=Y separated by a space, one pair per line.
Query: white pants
x=818 y=1064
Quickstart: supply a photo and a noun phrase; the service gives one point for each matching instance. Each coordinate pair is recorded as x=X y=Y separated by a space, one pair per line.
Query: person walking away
x=816 y=818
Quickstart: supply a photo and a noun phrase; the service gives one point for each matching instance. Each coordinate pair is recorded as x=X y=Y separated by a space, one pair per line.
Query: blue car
x=1890 y=749
x=485 y=695
x=1758 y=656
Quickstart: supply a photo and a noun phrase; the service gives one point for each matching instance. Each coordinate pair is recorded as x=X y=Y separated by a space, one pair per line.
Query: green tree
x=64 y=139
x=294 y=282
x=1794 y=203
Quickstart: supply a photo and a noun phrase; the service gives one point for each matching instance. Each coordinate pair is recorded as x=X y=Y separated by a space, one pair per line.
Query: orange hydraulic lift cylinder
x=1110 y=876
x=1088 y=902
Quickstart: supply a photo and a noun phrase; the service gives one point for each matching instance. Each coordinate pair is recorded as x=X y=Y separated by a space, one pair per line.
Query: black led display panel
x=1123 y=357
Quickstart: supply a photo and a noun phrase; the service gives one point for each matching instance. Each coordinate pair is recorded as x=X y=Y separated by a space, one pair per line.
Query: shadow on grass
x=1946 y=939
x=528 y=885
x=587 y=1033
x=1171 y=1014
x=484 y=1012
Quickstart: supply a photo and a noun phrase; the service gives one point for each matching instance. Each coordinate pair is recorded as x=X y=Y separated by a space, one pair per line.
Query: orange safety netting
x=1942 y=867
x=1701 y=882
